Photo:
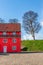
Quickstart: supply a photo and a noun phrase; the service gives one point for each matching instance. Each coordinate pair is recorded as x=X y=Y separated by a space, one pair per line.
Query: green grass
x=33 y=45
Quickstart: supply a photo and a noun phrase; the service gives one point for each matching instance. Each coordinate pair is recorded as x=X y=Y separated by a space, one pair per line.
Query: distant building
x=10 y=37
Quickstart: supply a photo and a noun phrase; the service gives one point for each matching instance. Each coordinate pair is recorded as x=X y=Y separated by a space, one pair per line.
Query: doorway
x=5 y=49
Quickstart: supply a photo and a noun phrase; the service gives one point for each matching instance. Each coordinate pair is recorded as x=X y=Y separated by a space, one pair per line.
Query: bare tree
x=13 y=20
x=30 y=23
x=1 y=20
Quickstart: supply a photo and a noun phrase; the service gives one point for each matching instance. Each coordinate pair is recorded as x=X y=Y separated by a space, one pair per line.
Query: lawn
x=32 y=45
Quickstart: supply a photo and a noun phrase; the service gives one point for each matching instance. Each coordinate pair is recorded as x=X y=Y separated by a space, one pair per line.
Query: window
x=4 y=33
x=5 y=40
x=13 y=47
x=14 y=33
x=14 y=40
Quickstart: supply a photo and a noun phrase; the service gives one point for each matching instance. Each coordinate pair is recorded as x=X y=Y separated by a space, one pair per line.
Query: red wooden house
x=10 y=37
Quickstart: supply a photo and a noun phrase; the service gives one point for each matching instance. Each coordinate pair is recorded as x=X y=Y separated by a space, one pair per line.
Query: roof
x=10 y=27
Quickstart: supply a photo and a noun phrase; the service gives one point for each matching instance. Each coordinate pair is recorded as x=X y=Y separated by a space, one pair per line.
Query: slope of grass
x=33 y=45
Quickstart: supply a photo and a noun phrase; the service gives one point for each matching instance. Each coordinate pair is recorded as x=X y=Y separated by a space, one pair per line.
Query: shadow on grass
x=24 y=49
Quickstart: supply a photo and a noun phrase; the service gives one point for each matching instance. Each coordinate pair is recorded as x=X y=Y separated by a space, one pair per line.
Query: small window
x=4 y=33
x=14 y=40
x=14 y=33
x=13 y=47
x=5 y=40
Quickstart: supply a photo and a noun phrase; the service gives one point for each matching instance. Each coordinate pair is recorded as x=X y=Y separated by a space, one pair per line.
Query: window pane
x=14 y=40
x=14 y=33
x=13 y=47
x=5 y=41
x=4 y=33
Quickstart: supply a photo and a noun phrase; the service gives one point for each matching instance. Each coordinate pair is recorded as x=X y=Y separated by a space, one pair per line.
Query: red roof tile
x=10 y=27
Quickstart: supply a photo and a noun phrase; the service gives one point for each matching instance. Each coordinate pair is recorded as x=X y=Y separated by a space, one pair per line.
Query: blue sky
x=16 y=8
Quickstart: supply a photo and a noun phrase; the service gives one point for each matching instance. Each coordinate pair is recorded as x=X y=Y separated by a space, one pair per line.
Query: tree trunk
x=33 y=35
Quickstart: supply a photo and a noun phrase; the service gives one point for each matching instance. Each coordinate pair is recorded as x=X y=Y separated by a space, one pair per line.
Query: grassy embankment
x=33 y=45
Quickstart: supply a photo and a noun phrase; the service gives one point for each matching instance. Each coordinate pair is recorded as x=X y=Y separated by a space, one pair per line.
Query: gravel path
x=22 y=59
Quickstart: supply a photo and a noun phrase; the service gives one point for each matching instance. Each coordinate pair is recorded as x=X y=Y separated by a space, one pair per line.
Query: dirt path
x=22 y=59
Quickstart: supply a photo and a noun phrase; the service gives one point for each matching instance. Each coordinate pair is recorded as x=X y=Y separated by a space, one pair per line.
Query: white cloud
x=27 y=37
x=39 y=36
x=41 y=23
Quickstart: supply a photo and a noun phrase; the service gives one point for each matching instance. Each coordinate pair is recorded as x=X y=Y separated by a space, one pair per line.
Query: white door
x=5 y=49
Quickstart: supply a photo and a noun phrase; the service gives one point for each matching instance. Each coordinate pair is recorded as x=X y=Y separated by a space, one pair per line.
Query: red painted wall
x=9 y=43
